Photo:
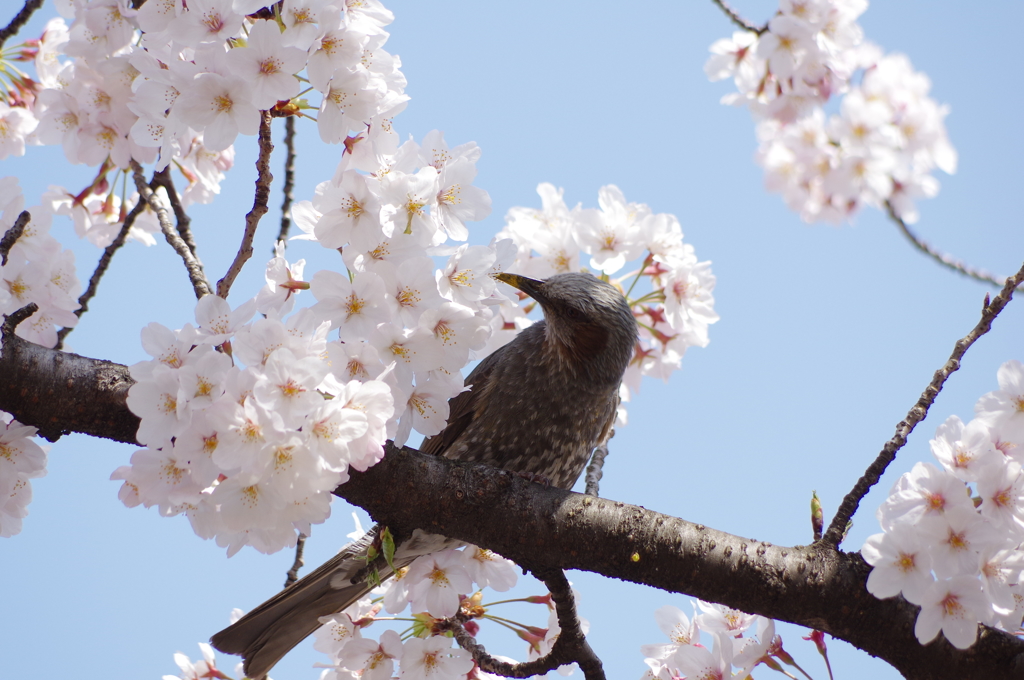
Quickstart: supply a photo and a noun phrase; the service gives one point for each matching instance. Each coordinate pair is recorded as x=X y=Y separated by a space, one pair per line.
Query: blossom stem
x=639 y=273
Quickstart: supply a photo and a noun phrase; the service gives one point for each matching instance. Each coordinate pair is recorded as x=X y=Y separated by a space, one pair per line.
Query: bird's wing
x=463 y=406
x=269 y=631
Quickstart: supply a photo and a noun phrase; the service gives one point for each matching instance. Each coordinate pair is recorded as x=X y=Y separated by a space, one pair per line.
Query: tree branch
x=259 y=207
x=547 y=528
x=289 y=177
x=13 y=234
x=19 y=20
x=990 y=310
x=544 y=527
x=735 y=17
x=293 y=574
x=59 y=392
x=192 y=264
x=569 y=647
x=183 y=222
x=101 y=269
x=944 y=259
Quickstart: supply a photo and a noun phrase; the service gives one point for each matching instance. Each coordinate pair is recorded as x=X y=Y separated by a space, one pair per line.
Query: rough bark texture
x=542 y=527
x=60 y=392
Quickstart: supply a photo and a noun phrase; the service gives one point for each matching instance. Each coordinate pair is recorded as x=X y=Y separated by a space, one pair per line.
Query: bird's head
x=588 y=321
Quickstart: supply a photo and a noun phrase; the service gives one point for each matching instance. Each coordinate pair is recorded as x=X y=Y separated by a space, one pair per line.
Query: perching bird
x=537 y=406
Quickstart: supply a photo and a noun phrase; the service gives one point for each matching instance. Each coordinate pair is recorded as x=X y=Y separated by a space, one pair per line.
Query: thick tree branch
x=259 y=207
x=547 y=528
x=59 y=392
x=19 y=20
x=192 y=264
x=990 y=310
x=944 y=259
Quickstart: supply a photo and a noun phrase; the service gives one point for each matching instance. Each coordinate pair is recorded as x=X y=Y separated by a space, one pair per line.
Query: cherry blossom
x=433 y=659
x=438 y=583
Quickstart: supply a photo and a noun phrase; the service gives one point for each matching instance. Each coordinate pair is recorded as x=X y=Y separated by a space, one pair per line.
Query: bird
x=537 y=406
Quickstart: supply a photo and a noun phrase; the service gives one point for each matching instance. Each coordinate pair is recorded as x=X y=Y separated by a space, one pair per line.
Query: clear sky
x=827 y=335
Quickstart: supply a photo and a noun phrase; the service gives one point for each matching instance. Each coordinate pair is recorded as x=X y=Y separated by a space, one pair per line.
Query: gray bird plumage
x=537 y=406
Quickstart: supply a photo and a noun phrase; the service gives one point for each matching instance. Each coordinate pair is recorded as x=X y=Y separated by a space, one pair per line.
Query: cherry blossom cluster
x=38 y=270
x=149 y=82
x=432 y=587
x=732 y=644
x=249 y=425
x=673 y=306
x=82 y=105
x=176 y=82
x=21 y=460
x=879 y=149
x=953 y=535
x=246 y=426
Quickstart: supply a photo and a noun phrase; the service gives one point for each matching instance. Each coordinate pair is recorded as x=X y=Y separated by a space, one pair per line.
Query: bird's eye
x=573 y=313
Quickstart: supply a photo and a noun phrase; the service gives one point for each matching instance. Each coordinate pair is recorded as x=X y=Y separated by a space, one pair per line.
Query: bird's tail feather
x=272 y=629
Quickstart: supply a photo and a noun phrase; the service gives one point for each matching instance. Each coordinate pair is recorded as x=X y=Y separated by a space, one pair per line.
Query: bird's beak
x=529 y=286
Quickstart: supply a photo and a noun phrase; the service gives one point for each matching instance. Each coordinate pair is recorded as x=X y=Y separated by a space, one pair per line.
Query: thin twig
x=293 y=573
x=182 y=221
x=848 y=507
x=945 y=260
x=289 y=178
x=19 y=20
x=738 y=20
x=259 y=207
x=12 y=320
x=13 y=234
x=101 y=269
x=192 y=264
x=570 y=645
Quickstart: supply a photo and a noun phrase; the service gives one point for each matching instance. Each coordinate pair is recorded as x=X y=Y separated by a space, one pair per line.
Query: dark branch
x=19 y=20
x=569 y=647
x=547 y=528
x=293 y=573
x=837 y=528
x=259 y=207
x=12 y=320
x=735 y=17
x=13 y=234
x=183 y=222
x=192 y=264
x=571 y=642
x=101 y=269
x=289 y=178
x=814 y=586
x=59 y=392
x=944 y=259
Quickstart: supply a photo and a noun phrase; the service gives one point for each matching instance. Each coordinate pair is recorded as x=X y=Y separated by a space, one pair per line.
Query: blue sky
x=827 y=335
